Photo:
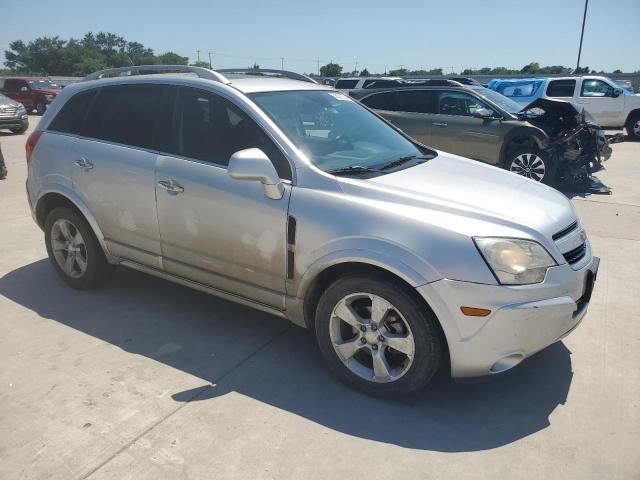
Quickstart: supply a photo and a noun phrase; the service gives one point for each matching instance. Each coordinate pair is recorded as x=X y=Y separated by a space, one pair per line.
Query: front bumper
x=14 y=122
x=523 y=320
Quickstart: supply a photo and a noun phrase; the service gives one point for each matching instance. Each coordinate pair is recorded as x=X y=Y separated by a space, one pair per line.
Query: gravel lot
x=144 y=379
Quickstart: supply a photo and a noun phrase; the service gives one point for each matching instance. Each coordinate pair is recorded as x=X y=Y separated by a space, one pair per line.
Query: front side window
x=208 y=127
x=127 y=114
x=71 y=117
x=14 y=85
x=381 y=101
x=561 y=88
x=460 y=104
x=596 y=88
x=44 y=84
x=346 y=83
x=334 y=131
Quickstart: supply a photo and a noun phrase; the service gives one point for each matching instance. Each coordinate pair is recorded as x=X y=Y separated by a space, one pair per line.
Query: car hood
x=469 y=197
x=47 y=91
x=7 y=102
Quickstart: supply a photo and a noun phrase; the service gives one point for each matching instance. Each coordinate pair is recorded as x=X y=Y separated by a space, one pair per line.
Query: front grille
x=565 y=231
x=575 y=255
x=8 y=111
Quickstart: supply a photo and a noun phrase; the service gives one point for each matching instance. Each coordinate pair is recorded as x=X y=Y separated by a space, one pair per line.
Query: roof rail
x=265 y=72
x=157 y=69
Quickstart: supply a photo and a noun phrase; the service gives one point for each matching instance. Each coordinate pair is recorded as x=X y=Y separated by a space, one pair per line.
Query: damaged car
x=550 y=141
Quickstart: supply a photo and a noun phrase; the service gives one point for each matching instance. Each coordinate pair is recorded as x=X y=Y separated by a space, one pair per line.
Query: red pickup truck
x=35 y=93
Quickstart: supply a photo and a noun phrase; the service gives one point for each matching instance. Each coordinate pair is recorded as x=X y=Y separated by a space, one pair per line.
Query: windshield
x=500 y=100
x=44 y=85
x=334 y=131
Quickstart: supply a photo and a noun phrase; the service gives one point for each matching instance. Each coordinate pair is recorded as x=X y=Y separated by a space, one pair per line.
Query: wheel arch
x=522 y=136
x=63 y=197
x=633 y=113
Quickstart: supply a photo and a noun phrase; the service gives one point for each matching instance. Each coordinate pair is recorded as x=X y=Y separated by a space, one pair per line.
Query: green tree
x=365 y=73
x=400 y=72
x=171 y=58
x=532 y=67
x=200 y=63
x=617 y=70
x=331 y=70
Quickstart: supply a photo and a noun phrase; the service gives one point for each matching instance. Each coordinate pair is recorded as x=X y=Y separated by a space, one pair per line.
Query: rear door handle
x=83 y=163
x=440 y=124
x=171 y=186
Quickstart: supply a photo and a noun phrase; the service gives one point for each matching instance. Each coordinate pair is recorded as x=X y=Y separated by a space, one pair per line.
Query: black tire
x=40 y=108
x=98 y=270
x=513 y=162
x=428 y=338
x=632 y=129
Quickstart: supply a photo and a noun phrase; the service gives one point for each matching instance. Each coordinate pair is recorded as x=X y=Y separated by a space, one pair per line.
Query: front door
x=597 y=97
x=215 y=230
x=455 y=130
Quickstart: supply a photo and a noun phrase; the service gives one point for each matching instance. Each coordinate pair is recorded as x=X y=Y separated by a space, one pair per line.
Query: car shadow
x=142 y=315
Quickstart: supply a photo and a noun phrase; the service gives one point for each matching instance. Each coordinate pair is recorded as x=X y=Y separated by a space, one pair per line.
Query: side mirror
x=24 y=89
x=253 y=164
x=617 y=92
x=483 y=113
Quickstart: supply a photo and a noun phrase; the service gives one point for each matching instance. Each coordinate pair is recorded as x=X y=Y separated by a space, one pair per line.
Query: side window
x=346 y=83
x=458 y=103
x=210 y=128
x=561 y=88
x=596 y=88
x=12 y=85
x=367 y=83
x=71 y=117
x=126 y=114
x=381 y=101
x=415 y=101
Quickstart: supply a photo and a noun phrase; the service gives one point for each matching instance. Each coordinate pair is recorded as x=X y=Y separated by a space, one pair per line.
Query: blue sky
x=453 y=34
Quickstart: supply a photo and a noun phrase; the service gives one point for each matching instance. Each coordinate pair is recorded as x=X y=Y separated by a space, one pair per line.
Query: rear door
x=114 y=162
x=563 y=89
x=455 y=129
x=409 y=110
x=597 y=97
x=216 y=230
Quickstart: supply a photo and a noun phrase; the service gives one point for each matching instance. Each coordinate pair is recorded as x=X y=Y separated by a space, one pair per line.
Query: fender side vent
x=291 y=230
x=290 y=264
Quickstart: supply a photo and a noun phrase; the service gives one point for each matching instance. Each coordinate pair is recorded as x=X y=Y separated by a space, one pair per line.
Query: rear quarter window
x=346 y=83
x=561 y=88
x=71 y=117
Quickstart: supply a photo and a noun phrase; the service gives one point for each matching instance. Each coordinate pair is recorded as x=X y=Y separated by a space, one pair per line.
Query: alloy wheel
x=371 y=337
x=529 y=165
x=636 y=128
x=69 y=248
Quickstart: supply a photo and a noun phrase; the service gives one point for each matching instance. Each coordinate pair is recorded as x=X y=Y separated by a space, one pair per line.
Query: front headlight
x=21 y=108
x=515 y=261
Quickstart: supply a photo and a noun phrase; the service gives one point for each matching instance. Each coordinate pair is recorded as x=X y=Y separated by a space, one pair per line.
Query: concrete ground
x=144 y=379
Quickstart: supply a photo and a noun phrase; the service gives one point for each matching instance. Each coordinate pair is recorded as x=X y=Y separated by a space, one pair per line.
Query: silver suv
x=292 y=198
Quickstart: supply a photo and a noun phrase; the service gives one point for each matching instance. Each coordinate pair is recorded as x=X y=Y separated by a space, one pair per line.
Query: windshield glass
x=503 y=102
x=334 y=131
x=44 y=84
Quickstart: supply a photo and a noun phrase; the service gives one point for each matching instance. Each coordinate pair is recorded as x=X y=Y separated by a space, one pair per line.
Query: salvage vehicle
x=611 y=106
x=13 y=115
x=479 y=123
x=293 y=198
x=35 y=93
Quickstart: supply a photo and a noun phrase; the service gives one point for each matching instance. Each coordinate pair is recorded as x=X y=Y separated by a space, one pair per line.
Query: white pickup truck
x=611 y=105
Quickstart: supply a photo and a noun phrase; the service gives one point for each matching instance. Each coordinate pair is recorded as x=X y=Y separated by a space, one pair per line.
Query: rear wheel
x=40 y=108
x=74 y=250
x=377 y=337
x=531 y=163
x=633 y=126
x=20 y=130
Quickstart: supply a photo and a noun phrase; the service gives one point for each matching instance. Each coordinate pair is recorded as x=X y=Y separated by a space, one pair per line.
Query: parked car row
x=13 y=115
x=35 y=93
x=551 y=141
x=296 y=199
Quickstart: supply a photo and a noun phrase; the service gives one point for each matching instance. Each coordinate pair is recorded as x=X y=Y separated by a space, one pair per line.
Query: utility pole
x=584 y=19
x=211 y=60
x=318 y=62
x=282 y=63
x=198 y=52
x=356 y=69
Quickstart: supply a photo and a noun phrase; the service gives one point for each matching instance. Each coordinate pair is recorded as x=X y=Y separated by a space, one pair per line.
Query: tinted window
x=346 y=83
x=561 y=88
x=416 y=101
x=72 y=115
x=13 y=85
x=126 y=114
x=596 y=88
x=208 y=127
x=381 y=101
x=457 y=103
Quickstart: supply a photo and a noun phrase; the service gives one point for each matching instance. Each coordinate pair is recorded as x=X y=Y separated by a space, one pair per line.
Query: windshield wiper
x=355 y=169
x=405 y=159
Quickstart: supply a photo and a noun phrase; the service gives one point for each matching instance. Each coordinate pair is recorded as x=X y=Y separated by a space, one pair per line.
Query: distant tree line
x=334 y=70
x=78 y=57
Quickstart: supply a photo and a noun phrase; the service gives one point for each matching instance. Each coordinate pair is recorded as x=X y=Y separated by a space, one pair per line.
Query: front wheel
x=74 y=250
x=633 y=126
x=20 y=130
x=377 y=337
x=40 y=108
x=531 y=163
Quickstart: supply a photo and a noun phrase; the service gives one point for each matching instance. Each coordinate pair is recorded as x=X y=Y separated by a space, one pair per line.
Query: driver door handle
x=83 y=163
x=440 y=124
x=171 y=186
